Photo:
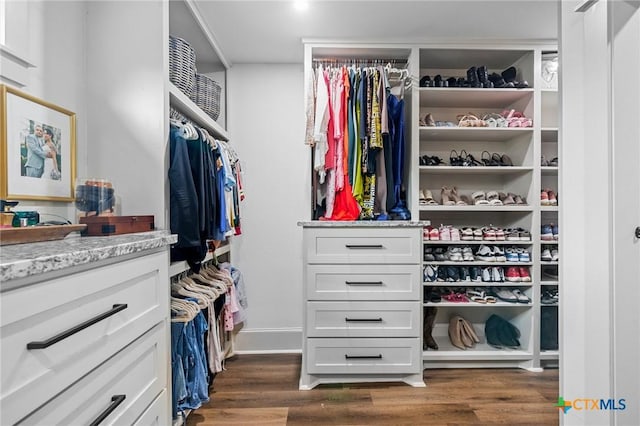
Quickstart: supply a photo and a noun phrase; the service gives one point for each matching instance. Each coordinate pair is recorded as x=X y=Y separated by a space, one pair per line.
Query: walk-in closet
x=319 y=212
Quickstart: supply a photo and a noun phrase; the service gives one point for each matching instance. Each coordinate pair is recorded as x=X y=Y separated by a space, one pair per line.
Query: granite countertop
x=24 y=260
x=364 y=223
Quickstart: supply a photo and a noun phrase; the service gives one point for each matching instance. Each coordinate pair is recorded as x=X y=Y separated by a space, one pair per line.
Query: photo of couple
x=42 y=156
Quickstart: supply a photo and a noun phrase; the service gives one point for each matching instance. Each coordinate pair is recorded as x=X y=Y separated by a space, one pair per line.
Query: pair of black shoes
x=430 y=160
x=478 y=77
x=500 y=333
x=507 y=80
x=437 y=81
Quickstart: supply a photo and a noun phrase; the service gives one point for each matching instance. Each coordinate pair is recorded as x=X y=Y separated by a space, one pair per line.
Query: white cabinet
x=362 y=304
x=71 y=343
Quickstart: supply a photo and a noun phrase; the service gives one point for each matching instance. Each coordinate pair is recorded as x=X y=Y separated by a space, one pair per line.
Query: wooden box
x=115 y=225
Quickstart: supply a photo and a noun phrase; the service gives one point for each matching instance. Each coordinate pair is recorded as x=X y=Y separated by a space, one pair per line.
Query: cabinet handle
x=638 y=232
x=55 y=339
x=363 y=282
x=363 y=246
x=363 y=319
x=115 y=401
x=363 y=356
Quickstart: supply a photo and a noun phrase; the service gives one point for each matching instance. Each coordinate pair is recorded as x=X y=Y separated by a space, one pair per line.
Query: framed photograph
x=37 y=148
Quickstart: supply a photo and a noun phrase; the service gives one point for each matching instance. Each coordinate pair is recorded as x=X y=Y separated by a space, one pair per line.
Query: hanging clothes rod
x=361 y=61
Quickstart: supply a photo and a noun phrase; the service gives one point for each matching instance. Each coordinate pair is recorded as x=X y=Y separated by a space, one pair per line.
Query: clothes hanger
x=178 y=289
x=191 y=285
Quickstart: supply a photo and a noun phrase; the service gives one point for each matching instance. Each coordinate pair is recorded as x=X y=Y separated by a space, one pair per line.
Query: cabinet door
x=54 y=332
x=118 y=392
x=625 y=101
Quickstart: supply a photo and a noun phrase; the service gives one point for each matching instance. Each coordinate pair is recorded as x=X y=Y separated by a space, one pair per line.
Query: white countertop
x=24 y=260
x=364 y=223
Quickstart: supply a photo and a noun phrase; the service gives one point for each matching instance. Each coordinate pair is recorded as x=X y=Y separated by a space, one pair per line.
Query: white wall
x=54 y=43
x=266 y=122
x=127 y=53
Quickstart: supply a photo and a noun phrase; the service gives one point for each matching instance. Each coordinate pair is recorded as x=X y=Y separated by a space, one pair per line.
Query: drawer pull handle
x=363 y=282
x=115 y=401
x=55 y=339
x=363 y=356
x=364 y=246
x=363 y=319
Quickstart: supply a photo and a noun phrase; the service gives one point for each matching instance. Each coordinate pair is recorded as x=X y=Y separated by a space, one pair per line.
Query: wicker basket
x=206 y=95
x=182 y=65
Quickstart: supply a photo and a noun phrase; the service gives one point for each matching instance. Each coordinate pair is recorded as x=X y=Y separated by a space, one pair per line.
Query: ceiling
x=272 y=31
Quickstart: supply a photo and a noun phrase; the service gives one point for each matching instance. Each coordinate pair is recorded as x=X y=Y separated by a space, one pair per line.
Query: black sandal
x=472 y=161
x=505 y=160
x=435 y=161
x=455 y=160
x=490 y=160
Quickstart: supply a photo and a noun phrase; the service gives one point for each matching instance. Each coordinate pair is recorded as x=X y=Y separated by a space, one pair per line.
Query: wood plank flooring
x=263 y=390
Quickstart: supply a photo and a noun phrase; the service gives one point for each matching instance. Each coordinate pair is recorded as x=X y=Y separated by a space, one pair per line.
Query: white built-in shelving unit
x=523 y=145
x=525 y=178
x=186 y=22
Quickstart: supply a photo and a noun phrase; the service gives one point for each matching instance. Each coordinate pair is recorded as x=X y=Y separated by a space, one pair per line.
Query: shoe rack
x=549 y=150
x=524 y=146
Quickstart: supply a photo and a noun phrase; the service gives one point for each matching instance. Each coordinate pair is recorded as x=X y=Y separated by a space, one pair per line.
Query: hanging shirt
x=320 y=124
x=310 y=108
x=330 y=156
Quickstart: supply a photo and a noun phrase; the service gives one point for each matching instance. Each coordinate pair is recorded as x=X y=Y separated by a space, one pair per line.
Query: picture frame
x=37 y=148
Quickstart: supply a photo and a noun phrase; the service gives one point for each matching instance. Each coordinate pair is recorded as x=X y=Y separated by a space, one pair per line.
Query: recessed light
x=301 y=5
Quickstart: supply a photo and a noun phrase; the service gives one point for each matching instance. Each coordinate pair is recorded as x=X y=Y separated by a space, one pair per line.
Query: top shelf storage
x=186 y=106
x=443 y=97
x=456 y=62
x=186 y=22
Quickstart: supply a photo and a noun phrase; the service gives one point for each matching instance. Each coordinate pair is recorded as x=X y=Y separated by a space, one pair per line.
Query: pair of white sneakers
x=488 y=254
x=550 y=254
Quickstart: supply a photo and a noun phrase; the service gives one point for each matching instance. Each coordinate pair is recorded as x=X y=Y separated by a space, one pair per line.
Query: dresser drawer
x=123 y=387
x=363 y=282
x=363 y=319
x=363 y=356
x=158 y=413
x=363 y=245
x=96 y=312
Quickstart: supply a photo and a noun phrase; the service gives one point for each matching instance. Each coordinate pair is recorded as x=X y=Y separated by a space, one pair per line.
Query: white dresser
x=362 y=303
x=84 y=331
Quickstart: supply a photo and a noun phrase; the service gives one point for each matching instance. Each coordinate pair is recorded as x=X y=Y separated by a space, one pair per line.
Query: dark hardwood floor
x=263 y=389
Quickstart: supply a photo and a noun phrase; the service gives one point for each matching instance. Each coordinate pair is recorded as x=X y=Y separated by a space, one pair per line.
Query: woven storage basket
x=182 y=65
x=206 y=95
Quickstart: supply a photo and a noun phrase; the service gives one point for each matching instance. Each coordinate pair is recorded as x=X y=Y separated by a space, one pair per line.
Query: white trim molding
x=269 y=340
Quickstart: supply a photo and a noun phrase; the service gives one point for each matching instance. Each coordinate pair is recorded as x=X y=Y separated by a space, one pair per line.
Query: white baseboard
x=268 y=341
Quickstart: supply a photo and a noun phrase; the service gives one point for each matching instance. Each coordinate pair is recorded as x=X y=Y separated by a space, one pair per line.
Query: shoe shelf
x=483 y=208
x=549 y=355
x=475 y=284
x=446 y=97
x=477 y=170
x=479 y=263
x=526 y=178
x=481 y=352
x=476 y=242
x=472 y=134
x=477 y=305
